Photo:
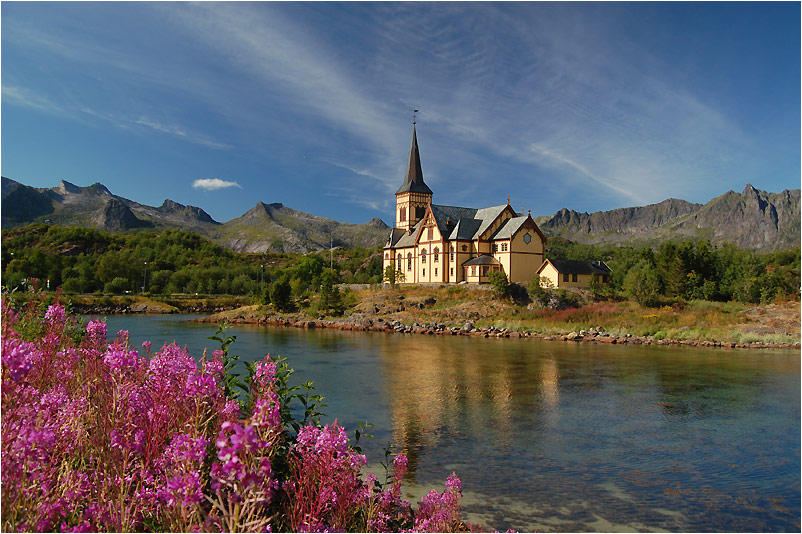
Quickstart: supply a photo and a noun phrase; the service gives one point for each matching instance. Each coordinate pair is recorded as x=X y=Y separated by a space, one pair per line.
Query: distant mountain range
x=752 y=219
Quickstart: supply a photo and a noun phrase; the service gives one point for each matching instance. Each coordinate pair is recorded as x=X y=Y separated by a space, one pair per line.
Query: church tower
x=414 y=195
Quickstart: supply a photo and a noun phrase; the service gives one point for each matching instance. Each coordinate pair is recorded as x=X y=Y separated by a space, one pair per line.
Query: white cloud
x=212 y=184
x=182 y=133
x=25 y=97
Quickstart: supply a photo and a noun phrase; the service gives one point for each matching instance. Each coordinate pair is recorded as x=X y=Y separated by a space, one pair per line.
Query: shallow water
x=553 y=436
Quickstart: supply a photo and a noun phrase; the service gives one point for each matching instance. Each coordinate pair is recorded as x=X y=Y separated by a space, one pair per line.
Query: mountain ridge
x=751 y=219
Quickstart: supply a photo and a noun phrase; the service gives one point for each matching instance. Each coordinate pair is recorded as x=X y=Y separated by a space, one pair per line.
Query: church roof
x=464 y=223
x=509 y=228
x=484 y=259
x=413 y=181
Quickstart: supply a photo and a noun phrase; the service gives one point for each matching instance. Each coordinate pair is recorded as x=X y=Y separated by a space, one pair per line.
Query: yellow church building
x=432 y=243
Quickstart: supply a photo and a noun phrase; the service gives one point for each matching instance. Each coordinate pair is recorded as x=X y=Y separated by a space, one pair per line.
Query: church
x=433 y=243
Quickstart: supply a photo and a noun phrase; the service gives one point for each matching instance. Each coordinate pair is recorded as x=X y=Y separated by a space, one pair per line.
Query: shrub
x=501 y=286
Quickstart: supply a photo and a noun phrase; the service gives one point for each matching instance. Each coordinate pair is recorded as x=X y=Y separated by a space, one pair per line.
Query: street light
x=144 y=278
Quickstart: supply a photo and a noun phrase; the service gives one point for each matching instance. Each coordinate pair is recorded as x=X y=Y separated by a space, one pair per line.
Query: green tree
x=280 y=293
x=331 y=301
x=117 y=286
x=536 y=291
x=642 y=283
x=393 y=276
x=501 y=286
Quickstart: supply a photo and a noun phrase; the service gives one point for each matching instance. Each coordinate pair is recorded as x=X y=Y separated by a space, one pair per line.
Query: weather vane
x=414 y=111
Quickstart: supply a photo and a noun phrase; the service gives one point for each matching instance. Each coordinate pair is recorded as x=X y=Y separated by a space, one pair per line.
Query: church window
x=452 y=271
x=403 y=215
x=399 y=262
x=430 y=234
x=527 y=238
x=452 y=254
x=435 y=271
x=409 y=261
x=464 y=248
x=436 y=254
x=424 y=272
x=495 y=247
x=420 y=211
x=423 y=256
x=386 y=255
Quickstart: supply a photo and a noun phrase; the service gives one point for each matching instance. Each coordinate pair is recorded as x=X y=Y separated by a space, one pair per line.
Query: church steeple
x=414 y=195
x=413 y=181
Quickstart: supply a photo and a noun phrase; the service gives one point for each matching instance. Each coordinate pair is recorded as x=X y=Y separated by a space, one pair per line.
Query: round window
x=527 y=238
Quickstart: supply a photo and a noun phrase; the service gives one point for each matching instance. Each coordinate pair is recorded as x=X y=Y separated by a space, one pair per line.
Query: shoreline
x=381 y=325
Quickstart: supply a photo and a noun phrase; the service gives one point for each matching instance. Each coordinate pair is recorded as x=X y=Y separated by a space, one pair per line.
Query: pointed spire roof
x=413 y=181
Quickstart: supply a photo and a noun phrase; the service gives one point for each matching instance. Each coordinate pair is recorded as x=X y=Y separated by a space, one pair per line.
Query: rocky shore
x=378 y=324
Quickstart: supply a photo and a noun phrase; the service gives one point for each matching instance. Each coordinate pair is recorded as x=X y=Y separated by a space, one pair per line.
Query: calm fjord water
x=556 y=436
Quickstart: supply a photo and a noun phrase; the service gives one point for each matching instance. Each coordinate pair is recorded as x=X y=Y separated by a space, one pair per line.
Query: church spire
x=413 y=181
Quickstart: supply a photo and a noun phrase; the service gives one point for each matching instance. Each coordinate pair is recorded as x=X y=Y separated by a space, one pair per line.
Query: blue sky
x=589 y=106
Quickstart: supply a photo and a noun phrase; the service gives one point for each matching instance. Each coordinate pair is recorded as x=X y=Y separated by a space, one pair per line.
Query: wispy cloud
x=213 y=184
x=21 y=96
x=182 y=133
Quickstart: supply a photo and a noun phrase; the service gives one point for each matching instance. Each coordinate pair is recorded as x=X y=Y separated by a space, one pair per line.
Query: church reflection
x=442 y=392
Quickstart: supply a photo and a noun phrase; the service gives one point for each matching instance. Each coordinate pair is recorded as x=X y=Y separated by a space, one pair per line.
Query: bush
x=98 y=436
x=501 y=286
x=642 y=283
x=117 y=286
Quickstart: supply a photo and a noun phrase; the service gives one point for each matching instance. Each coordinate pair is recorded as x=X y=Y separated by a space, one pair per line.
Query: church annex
x=431 y=243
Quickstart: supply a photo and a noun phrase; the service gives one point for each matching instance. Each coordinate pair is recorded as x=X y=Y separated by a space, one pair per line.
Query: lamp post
x=144 y=278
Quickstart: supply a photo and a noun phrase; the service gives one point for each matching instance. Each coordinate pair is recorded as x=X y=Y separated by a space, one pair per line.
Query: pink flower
x=96 y=330
x=55 y=313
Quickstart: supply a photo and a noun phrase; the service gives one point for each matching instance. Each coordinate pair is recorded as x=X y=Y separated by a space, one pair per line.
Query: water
x=552 y=436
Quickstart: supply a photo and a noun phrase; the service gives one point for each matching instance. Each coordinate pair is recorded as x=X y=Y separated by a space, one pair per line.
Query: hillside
x=266 y=227
x=752 y=219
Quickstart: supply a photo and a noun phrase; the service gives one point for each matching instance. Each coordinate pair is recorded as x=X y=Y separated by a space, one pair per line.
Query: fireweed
x=97 y=436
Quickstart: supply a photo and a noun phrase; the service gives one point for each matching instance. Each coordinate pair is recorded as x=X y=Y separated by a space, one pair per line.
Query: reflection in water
x=559 y=436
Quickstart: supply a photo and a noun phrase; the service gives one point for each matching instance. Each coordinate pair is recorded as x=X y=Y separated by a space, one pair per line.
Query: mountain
x=279 y=228
x=71 y=205
x=266 y=227
x=752 y=219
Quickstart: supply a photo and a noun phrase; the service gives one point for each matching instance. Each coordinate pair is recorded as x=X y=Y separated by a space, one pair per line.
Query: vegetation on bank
x=105 y=437
x=167 y=262
x=685 y=290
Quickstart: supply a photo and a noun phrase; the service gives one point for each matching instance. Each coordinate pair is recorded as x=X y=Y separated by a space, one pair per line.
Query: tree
x=280 y=293
x=642 y=283
x=331 y=300
x=117 y=286
x=393 y=276
x=498 y=280
x=536 y=291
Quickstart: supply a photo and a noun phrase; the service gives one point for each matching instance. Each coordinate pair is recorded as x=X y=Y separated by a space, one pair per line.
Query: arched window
x=386 y=255
x=399 y=262
x=409 y=261
x=423 y=256
x=436 y=254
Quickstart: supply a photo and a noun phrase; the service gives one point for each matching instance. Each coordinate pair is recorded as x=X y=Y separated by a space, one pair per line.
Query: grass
x=694 y=320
